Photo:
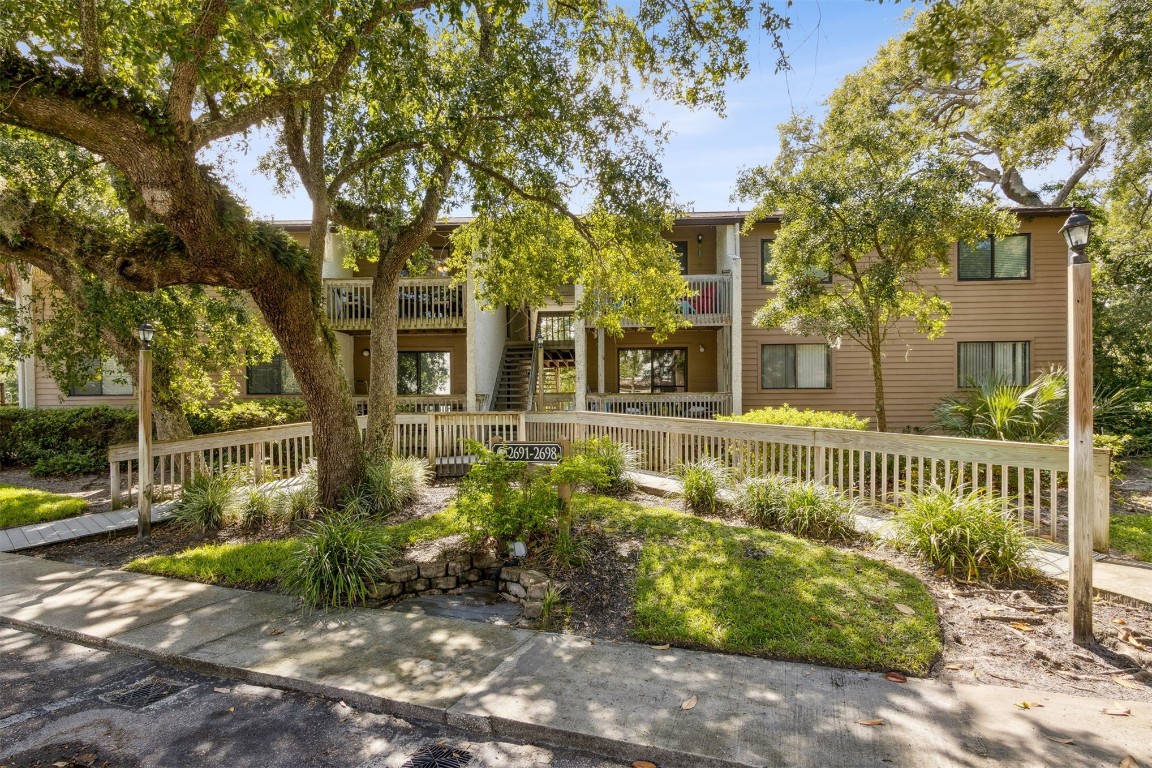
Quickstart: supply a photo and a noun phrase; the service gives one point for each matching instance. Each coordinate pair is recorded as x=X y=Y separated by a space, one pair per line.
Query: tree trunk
x=295 y=317
x=878 y=386
x=381 y=436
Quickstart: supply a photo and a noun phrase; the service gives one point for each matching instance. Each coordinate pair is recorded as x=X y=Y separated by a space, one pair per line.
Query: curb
x=481 y=725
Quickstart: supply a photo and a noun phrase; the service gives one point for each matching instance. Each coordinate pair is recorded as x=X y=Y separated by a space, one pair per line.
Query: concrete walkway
x=1126 y=581
x=56 y=531
x=618 y=699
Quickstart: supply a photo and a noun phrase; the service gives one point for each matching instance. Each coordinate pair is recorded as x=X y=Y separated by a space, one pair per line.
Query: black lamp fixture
x=146 y=334
x=1077 y=230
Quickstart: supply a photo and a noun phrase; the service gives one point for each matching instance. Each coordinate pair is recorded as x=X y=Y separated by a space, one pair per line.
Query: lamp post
x=1076 y=231
x=144 y=440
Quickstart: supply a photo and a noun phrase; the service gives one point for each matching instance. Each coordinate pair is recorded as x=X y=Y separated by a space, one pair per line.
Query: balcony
x=425 y=303
x=683 y=405
x=710 y=304
x=421 y=403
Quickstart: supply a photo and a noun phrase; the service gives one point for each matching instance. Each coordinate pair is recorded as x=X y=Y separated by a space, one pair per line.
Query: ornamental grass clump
x=702 y=483
x=616 y=459
x=339 y=560
x=207 y=501
x=967 y=534
x=389 y=487
x=806 y=509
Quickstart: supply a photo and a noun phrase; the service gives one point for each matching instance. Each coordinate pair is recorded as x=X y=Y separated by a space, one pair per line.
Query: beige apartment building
x=1008 y=302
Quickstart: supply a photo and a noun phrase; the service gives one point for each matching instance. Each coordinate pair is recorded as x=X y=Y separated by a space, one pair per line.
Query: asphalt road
x=65 y=705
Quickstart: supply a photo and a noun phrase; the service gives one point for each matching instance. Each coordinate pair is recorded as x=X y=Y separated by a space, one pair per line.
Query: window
x=652 y=370
x=424 y=373
x=272 y=378
x=980 y=360
x=795 y=366
x=681 y=247
x=107 y=379
x=1008 y=258
x=766 y=276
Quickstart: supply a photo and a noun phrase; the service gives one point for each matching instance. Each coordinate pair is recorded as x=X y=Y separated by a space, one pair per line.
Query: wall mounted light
x=700 y=239
x=701 y=347
x=366 y=352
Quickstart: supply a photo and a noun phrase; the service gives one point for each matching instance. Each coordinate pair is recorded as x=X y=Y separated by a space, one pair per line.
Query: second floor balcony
x=421 y=303
x=710 y=304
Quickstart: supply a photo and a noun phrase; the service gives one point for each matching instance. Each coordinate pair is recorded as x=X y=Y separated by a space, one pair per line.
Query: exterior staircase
x=514 y=383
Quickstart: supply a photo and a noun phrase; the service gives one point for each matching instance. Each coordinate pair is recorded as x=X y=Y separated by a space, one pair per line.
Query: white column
x=581 y=338
x=736 y=337
x=471 y=310
x=26 y=367
x=600 y=360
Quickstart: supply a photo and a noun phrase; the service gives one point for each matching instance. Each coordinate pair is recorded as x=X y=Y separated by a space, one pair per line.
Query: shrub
x=339 y=561
x=702 y=481
x=966 y=534
x=506 y=500
x=257 y=509
x=786 y=415
x=56 y=441
x=247 y=414
x=206 y=502
x=996 y=409
x=390 y=487
x=806 y=508
x=616 y=460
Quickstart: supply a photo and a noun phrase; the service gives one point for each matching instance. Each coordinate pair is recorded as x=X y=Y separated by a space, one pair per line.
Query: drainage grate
x=439 y=757
x=143 y=693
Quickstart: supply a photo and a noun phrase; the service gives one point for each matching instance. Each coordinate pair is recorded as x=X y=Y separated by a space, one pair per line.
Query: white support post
x=471 y=310
x=600 y=361
x=580 y=335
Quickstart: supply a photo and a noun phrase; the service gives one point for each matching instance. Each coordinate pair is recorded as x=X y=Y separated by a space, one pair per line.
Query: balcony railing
x=555 y=328
x=422 y=303
x=684 y=405
x=711 y=303
x=418 y=404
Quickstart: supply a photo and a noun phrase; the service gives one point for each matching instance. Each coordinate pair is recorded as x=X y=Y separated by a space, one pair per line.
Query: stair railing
x=534 y=372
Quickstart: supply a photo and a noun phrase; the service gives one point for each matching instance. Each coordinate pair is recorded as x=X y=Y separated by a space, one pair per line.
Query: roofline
x=704 y=218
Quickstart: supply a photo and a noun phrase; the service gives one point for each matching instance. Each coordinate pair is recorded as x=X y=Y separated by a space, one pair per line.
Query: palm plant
x=996 y=409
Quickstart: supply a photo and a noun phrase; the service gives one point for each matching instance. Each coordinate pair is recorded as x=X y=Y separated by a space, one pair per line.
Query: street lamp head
x=1076 y=231
x=146 y=333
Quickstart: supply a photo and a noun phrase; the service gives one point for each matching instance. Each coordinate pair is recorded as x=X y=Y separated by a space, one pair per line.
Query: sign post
x=543 y=453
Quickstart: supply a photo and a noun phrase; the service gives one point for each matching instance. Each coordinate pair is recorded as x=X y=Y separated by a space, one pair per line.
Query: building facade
x=1008 y=317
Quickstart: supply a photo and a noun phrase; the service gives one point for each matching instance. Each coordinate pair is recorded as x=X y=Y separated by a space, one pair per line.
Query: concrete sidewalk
x=618 y=699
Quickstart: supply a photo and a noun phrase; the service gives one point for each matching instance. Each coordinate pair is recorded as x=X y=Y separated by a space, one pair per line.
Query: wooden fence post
x=114 y=480
x=1102 y=490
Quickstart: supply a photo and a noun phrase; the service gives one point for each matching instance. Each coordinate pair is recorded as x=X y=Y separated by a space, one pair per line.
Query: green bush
x=786 y=415
x=257 y=509
x=506 y=500
x=63 y=441
x=390 y=487
x=247 y=414
x=206 y=502
x=339 y=561
x=701 y=483
x=996 y=409
x=615 y=459
x=966 y=534
x=805 y=509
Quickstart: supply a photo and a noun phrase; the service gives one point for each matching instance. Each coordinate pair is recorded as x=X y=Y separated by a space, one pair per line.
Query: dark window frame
x=280 y=363
x=766 y=279
x=827 y=366
x=74 y=390
x=651 y=373
x=992 y=261
x=419 y=378
x=962 y=381
x=682 y=253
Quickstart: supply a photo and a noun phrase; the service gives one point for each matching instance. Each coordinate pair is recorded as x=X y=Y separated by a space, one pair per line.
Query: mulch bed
x=1011 y=636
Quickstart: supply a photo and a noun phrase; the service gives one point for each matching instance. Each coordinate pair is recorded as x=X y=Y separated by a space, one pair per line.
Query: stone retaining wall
x=527 y=588
x=439 y=576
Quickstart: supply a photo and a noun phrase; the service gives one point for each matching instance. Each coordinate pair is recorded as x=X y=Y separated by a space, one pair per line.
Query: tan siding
x=454 y=343
x=701 y=365
x=918 y=372
x=702 y=256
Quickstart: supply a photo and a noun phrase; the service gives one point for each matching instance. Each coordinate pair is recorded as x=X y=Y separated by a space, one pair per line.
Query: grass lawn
x=263 y=563
x=746 y=590
x=1132 y=535
x=23 y=506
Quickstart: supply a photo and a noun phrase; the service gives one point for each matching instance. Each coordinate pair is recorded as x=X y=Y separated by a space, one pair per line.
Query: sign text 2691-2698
x=544 y=453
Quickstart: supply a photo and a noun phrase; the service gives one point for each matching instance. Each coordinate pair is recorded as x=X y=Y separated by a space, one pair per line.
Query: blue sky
x=828 y=39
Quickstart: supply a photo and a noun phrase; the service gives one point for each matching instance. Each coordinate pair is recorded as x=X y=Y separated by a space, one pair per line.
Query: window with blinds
x=274 y=377
x=107 y=378
x=1005 y=258
x=795 y=366
x=980 y=361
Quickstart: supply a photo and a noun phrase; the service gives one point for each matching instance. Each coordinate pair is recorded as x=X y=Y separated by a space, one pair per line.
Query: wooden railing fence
x=879 y=468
